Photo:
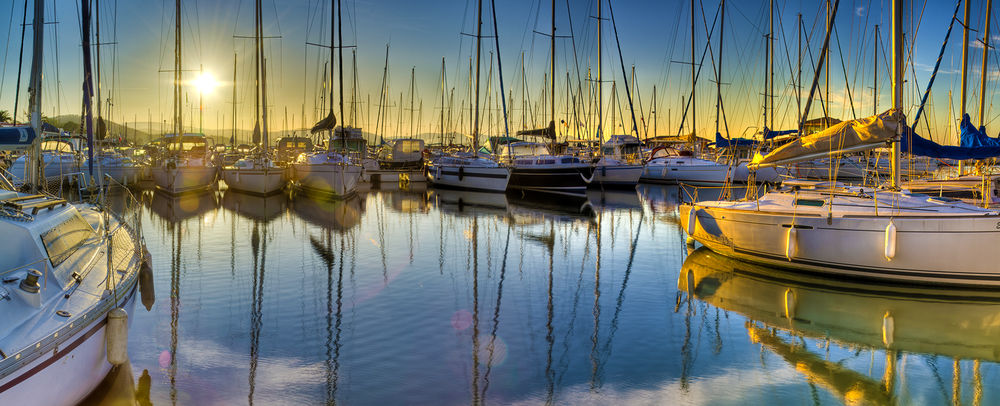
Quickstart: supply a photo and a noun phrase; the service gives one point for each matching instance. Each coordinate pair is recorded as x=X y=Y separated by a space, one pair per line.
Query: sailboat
x=470 y=171
x=70 y=275
x=619 y=164
x=329 y=172
x=257 y=173
x=827 y=227
x=186 y=166
x=533 y=166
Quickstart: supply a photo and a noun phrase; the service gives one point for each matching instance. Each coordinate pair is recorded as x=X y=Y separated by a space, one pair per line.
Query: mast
x=263 y=101
x=333 y=56
x=479 y=40
x=552 y=72
x=798 y=77
x=826 y=96
x=982 y=79
x=965 y=53
x=496 y=38
x=875 y=87
x=694 y=104
x=600 y=75
x=340 y=69
x=234 y=100
x=178 y=108
x=718 y=77
x=35 y=91
x=258 y=54
x=442 y=100
x=767 y=65
x=101 y=127
x=897 y=81
x=770 y=64
x=413 y=77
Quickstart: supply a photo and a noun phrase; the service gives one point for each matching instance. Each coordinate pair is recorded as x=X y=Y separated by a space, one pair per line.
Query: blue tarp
x=14 y=138
x=769 y=133
x=734 y=142
x=924 y=147
x=974 y=138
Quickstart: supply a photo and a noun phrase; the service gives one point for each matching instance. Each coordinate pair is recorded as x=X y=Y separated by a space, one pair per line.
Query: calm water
x=450 y=298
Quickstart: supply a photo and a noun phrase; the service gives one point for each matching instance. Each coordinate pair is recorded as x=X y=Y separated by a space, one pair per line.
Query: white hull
x=57 y=167
x=481 y=178
x=78 y=364
x=336 y=179
x=183 y=178
x=769 y=174
x=258 y=181
x=955 y=249
x=617 y=175
x=698 y=174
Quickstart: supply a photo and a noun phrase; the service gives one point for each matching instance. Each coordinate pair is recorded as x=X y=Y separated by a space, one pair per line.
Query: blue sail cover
x=734 y=142
x=769 y=133
x=16 y=138
x=974 y=138
x=914 y=144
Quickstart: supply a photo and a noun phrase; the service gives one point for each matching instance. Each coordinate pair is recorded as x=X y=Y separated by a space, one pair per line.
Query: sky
x=654 y=37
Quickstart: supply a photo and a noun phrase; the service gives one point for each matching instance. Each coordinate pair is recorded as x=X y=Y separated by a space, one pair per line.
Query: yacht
x=255 y=174
x=62 y=160
x=672 y=166
x=534 y=169
x=186 y=166
x=70 y=276
x=620 y=162
x=468 y=172
x=326 y=172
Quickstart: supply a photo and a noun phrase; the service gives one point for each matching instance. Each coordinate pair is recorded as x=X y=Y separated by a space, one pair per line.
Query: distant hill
x=72 y=123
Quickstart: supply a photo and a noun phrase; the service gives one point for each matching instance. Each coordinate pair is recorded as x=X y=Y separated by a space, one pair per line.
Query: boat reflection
x=524 y=209
x=120 y=388
x=463 y=202
x=614 y=199
x=954 y=323
x=253 y=207
x=334 y=214
x=405 y=201
x=179 y=208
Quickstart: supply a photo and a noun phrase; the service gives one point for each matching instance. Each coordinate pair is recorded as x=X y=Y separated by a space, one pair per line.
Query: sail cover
x=16 y=138
x=326 y=124
x=847 y=136
x=914 y=144
x=769 y=133
x=734 y=142
x=547 y=132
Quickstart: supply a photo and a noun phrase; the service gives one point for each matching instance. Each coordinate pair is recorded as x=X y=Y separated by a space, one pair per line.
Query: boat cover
x=734 y=142
x=769 y=133
x=846 y=136
x=975 y=145
x=547 y=132
x=16 y=138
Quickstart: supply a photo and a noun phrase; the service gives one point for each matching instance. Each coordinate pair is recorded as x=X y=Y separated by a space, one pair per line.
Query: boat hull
x=711 y=174
x=617 y=175
x=557 y=179
x=474 y=178
x=256 y=181
x=183 y=179
x=855 y=245
x=337 y=180
x=79 y=360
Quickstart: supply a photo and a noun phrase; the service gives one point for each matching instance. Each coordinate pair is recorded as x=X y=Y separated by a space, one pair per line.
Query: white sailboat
x=862 y=232
x=257 y=173
x=70 y=273
x=186 y=167
x=329 y=172
x=470 y=171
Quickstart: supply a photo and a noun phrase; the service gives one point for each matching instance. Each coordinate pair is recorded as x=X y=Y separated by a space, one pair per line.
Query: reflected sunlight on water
x=442 y=297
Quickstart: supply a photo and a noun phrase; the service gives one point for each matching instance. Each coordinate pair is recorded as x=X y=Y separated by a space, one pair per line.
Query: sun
x=205 y=83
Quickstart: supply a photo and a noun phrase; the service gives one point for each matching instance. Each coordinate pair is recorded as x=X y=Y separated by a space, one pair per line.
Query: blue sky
x=654 y=37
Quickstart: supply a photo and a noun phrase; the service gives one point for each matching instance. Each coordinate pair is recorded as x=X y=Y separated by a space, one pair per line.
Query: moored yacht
x=186 y=166
x=468 y=172
x=326 y=172
x=620 y=162
x=534 y=169
x=670 y=166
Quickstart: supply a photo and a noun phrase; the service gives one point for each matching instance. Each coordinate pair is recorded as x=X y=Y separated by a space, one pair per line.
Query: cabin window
x=63 y=240
x=546 y=161
x=570 y=160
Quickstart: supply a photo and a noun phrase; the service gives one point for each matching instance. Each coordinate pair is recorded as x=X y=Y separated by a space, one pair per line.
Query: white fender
x=789 y=304
x=692 y=220
x=890 y=241
x=888 y=329
x=791 y=243
x=117 y=336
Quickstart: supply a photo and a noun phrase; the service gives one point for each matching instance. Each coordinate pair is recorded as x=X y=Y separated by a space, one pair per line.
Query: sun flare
x=205 y=83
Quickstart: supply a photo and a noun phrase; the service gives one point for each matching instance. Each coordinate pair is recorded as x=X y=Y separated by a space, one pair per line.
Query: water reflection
x=335 y=214
x=254 y=207
x=784 y=308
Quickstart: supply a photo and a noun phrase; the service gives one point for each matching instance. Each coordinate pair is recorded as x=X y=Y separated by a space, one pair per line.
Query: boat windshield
x=59 y=146
x=525 y=149
x=63 y=240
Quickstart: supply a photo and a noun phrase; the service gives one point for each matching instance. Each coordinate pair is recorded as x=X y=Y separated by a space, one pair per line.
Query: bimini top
x=848 y=136
x=16 y=138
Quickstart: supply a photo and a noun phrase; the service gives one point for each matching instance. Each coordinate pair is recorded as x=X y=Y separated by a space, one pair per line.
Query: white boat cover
x=847 y=136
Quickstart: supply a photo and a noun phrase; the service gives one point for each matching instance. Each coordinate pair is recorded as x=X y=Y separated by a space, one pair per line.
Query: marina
x=570 y=230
